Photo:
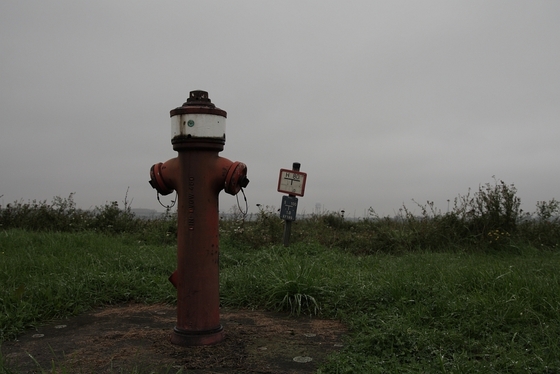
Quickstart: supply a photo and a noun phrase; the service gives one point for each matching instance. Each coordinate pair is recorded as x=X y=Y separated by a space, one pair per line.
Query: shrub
x=495 y=207
x=488 y=218
x=60 y=215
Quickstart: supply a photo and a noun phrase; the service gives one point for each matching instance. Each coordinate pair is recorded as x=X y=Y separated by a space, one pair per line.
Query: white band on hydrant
x=198 y=126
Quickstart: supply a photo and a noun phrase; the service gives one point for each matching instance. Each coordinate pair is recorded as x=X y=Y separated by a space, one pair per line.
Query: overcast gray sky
x=380 y=101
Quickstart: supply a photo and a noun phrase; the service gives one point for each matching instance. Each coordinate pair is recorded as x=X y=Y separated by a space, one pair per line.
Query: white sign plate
x=292 y=182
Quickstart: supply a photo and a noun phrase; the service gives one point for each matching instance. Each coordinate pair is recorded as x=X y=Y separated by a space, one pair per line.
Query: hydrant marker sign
x=292 y=182
x=289 y=208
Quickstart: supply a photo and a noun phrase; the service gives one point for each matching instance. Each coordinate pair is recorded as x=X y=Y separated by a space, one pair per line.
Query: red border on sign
x=304 y=175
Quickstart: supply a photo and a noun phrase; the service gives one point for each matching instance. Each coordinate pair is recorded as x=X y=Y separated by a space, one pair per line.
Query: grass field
x=453 y=311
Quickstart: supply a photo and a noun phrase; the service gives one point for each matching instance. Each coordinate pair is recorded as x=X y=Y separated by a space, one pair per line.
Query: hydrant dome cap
x=198 y=103
x=200 y=98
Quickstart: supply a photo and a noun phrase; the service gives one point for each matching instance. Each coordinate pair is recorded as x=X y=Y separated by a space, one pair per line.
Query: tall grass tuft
x=295 y=286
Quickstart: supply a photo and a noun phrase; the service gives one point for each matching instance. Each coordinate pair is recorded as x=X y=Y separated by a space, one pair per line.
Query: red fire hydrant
x=198 y=174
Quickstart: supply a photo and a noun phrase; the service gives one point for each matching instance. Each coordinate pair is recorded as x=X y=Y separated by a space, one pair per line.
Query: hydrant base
x=194 y=338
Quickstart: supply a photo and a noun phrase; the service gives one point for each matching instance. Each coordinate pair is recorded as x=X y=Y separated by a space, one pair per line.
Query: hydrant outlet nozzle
x=157 y=181
x=236 y=178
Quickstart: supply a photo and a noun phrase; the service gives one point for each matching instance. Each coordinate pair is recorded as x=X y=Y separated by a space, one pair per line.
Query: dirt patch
x=135 y=338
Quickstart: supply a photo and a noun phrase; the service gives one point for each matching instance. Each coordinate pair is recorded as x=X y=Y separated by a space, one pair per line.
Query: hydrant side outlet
x=236 y=178
x=157 y=181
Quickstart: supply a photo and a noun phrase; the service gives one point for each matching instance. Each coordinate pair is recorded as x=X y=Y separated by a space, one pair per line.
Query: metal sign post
x=291 y=182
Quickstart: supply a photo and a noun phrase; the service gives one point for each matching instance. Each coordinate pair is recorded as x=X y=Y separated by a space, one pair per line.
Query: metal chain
x=167 y=207
x=244 y=213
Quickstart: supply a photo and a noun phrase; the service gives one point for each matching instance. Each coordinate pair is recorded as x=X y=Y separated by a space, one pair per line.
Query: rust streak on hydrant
x=198 y=174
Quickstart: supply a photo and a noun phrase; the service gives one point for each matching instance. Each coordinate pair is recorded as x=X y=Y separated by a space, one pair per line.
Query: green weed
x=54 y=275
x=452 y=311
x=473 y=290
